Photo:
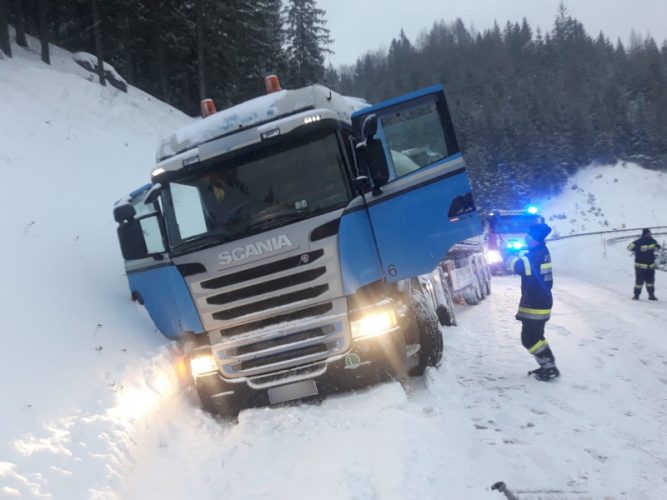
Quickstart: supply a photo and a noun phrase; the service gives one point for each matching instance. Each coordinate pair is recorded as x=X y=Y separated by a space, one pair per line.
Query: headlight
x=493 y=257
x=202 y=364
x=373 y=324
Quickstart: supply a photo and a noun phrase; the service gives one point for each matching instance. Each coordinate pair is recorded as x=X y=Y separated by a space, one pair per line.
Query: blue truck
x=284 y=242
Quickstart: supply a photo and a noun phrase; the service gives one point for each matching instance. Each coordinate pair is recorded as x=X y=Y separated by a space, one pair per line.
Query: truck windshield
x=258 y=192
x=514 y=223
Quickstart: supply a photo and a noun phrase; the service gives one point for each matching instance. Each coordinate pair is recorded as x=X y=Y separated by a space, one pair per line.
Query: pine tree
x=19 y=24
x=5 y=42
x=43 y=7
x=307 y=40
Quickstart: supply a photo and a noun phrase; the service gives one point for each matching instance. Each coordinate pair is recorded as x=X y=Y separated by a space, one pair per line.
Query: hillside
x=72 y=339
x=605 y=197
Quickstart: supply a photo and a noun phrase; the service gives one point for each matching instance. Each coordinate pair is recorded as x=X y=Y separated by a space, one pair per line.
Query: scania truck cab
x=280 y=242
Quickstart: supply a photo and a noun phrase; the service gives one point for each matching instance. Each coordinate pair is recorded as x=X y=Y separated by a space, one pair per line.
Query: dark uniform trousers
x=644 y=275
x=532 y=338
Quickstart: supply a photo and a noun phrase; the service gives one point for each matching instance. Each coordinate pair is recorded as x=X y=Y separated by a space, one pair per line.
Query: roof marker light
x=157 y=172
x=207 y=108
x=272 y=84
x=312 y=119
x=531 y=210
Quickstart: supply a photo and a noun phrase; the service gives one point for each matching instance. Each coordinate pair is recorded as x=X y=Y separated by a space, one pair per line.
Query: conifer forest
x=529 y=107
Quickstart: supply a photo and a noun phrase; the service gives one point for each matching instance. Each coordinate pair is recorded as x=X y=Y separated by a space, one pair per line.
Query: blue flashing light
x=531 y=210
x=515 y=244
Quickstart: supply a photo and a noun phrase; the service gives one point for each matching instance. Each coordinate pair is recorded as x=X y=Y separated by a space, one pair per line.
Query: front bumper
x=367 y=362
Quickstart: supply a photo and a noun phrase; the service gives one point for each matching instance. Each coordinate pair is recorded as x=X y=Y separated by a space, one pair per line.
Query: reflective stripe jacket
x=644 y=250
x=536 y=283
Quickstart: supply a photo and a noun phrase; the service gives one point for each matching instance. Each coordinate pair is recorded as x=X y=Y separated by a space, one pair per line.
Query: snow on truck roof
x=255 y=112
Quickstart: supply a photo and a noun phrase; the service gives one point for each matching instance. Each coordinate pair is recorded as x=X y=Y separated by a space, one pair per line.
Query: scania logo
x=254 y=249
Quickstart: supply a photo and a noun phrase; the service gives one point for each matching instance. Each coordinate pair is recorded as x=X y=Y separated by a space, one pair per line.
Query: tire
x=487 y=284
x=445 y=312
x=481 y=285
x=430 y=335
x=470 y=296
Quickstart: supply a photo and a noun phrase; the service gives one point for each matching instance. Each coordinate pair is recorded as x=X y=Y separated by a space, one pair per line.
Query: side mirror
x=361 y=184
x=124 y=212
x=132 y=242
x=370 y=126
x=153 y=194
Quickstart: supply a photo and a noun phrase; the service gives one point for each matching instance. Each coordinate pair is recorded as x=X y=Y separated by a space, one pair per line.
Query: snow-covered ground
x=601 y=198
x=91 y=407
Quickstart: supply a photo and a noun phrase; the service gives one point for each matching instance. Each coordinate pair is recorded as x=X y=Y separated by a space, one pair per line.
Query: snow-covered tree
x=307 y=41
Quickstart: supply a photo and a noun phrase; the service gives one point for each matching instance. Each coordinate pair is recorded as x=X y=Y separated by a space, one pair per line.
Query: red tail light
x=272 y=84
x=207 y=108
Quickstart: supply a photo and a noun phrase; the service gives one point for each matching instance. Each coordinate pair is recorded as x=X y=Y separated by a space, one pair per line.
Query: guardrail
x=661 y=258
x=555 y=238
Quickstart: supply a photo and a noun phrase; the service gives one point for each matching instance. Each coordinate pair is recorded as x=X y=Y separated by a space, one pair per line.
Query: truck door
x=426 y=206
x=153 y=278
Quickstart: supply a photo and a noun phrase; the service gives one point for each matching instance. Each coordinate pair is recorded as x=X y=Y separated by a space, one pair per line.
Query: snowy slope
x=601 y=198
x=91 y=408
x=70 y=335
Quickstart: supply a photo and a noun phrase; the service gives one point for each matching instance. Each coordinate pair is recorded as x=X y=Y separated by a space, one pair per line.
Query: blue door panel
x=397 y=100
x=167 y=300
x=420 y=214
x=413 y=229
x=359 y=261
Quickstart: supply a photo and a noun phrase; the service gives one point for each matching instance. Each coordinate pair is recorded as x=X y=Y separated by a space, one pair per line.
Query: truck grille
x=276 y=316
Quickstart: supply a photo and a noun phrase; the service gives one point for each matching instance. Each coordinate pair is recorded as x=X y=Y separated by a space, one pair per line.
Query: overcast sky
x=362 y=25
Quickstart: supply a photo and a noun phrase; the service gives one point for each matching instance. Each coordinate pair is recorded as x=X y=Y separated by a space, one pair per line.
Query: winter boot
x=544 y=374
x=652 y=297
x=635 y=297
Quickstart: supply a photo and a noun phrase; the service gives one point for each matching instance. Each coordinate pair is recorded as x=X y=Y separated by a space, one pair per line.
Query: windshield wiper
x=285 y=217
x=198 y=241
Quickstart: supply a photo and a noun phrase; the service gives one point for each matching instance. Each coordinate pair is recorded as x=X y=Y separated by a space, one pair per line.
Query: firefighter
x=534 y=267
x=644 y=249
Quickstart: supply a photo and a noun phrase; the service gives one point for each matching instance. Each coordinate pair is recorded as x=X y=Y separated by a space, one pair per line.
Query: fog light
x=493 y=257
x=373 y=324
x=202 y=364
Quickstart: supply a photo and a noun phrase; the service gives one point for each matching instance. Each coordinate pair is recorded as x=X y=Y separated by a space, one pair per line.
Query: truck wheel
x=430 y=336
x=445 y=312
x=470 y=296
x=481 y=285
x=487 y=283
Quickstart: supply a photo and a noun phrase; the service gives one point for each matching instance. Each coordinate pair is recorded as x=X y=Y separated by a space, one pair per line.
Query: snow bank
x=76 y=349
x=602 y=198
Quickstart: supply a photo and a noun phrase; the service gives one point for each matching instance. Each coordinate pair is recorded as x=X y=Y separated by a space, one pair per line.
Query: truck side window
x=415 y=136
x=152 y=234
x=150 y=227
x=188 y=209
